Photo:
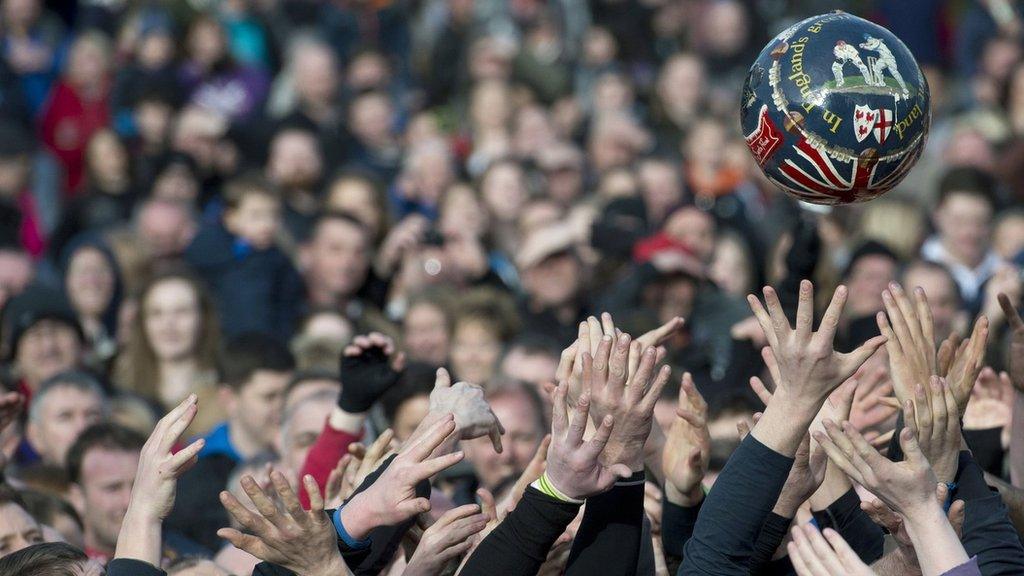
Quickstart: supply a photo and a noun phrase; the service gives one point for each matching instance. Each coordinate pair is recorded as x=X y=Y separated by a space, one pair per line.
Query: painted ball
x=835 y=110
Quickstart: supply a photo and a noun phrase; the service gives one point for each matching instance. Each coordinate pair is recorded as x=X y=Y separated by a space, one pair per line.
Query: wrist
x=356 y=519
x=548 y=487
x=332 y=568
x=346 y=421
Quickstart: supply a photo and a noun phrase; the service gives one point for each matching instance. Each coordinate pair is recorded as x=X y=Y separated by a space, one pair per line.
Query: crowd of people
x=429 y=287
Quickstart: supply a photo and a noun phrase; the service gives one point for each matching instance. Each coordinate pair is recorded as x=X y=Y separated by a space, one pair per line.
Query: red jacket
x=68 y=122
x=330 y=446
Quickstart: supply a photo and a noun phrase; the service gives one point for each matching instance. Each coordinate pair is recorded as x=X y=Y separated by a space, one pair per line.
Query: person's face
x=729 y=269
x=409 y=415
x=165 y=229
x=207 y=43
x=65 y=413
x=869 y=277
x=554 y=281
x=426 y=334
x=328 y=326
x=475 y=352
x=695 y=230
x=256 y=220
x=358 y=199
x=295 y=160
x=339 y=259
x=316 y=76
x=504 y=192
x=1008 y=239
x=965 y=223
x=677 y=298
x=107 y=157
x=14 y=173
x=172 y=319
x=89 y=282
x=18 y=530
x=104 y=492
x=156 y=50
x=15 y=274
x=942 y=298
x=87 y=63
x=519 y=442
x=660 y=187
x=372 y=119
x=301 y=433
x=176 y=183
x=533 y=368
x=257 y=406
x=152 y=120
x=47 y=348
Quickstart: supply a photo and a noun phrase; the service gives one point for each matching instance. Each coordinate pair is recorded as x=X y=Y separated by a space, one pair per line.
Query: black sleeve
x=520 y=544
x=987 y=448
x=734 y=511
x=773 y=532
x=854 y=525
x=128 y=567
x=608 y=541
x=677 y=524
x=988 y=532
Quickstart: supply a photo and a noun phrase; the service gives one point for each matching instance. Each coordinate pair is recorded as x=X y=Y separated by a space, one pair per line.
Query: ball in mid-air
x=835 y=110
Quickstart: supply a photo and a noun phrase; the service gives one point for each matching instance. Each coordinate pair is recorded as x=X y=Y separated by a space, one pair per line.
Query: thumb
x=443 y=379
x=620 y=470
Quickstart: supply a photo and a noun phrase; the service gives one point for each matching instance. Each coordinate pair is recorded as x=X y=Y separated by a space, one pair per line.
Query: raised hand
x=473 y=415
x=808 y=366
x=392 y=499
x=450 y=537
x=370 y=366
x=883 y=516
x=904 y=486
x=1016 y=353
x=303 y=541
x=961 y=362
x=934 y=421
x=687 y=449
x=815 y=554
x=155 y=482
x=991 y=403
x=910 y=342
x=574 y=467
x=628 y=396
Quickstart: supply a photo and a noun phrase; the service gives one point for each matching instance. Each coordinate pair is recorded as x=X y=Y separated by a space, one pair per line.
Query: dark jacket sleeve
x=677 y=524
x=988 y=532
x=608 y=541
x=520 y=544
x=987 y=448
x=127 y=567
x=854 y=525
x=773 y=532
x=734 y=511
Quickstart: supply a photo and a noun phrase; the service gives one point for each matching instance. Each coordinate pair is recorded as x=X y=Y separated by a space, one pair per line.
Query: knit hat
x=28 y=309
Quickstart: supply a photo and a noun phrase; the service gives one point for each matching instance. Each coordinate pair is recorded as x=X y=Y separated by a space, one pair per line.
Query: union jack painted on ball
x=835 y=110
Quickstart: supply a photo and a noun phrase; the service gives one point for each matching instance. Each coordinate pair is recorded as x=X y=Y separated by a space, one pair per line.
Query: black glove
x=365 y=378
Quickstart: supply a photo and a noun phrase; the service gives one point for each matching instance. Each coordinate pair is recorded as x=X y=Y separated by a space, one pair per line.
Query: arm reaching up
x=155 y=483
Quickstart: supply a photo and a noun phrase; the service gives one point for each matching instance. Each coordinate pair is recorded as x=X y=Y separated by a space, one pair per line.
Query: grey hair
x=328 y=396
x=75 y=379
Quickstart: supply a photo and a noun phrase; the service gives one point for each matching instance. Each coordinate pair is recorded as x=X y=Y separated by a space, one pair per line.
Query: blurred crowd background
x=472 y=178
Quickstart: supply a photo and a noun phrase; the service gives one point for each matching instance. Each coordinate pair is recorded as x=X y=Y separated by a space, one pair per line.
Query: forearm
x=773 y=532
x=834 y=487
x=677 y=523
x=1017 y=440
x=938 y=548
x=987 y=532
x=853 y=524
x=340 y=431
x=735 y=509
x=785 y=422
x=1013 y=498
x=608 y=540
x=520 y=544
x=140 y=538
x=895 y=563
